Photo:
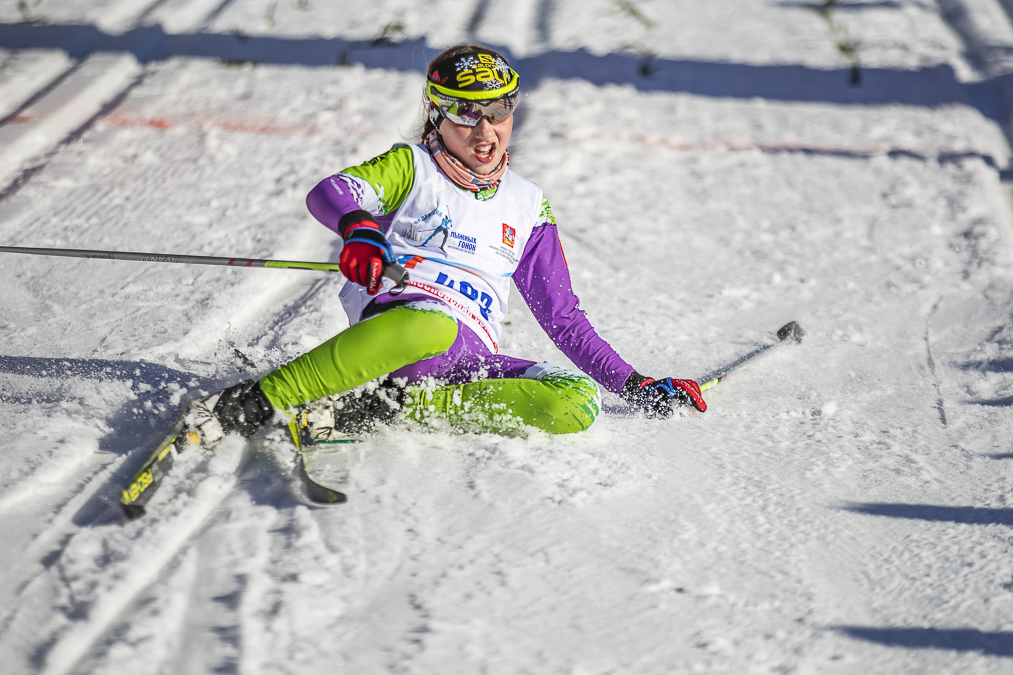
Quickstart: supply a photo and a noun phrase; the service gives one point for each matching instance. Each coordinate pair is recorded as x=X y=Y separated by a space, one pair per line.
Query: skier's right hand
x=363 y=256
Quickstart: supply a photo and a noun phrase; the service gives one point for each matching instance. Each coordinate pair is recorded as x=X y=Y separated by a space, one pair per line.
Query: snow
x=843 y=506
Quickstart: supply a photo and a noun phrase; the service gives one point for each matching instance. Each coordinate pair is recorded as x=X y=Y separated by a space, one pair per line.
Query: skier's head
x=471 y=94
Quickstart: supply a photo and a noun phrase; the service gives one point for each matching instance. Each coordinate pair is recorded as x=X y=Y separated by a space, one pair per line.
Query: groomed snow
x=843 y=507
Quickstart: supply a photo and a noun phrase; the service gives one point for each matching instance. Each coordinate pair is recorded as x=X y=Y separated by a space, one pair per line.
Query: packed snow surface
x=844 y=506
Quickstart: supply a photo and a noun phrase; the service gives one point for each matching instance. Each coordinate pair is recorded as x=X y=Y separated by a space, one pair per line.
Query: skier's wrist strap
x=354 y=218
x=368 y=235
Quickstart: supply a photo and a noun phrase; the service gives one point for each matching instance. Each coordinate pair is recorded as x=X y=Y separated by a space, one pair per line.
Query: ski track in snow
x=843 y=506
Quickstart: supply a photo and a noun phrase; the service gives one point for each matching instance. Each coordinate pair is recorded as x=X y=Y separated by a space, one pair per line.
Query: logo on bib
x=432 y=229
x=509 y=235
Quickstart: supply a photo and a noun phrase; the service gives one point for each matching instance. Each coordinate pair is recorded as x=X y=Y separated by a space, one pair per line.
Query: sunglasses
x=468 y=108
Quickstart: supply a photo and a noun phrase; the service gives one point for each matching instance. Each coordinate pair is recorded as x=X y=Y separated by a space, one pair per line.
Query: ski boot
x=242 y=408
x=343 y=417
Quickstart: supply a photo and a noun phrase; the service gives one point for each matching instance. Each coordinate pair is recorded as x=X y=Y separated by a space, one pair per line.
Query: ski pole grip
x=791 y=330
x=398 y=275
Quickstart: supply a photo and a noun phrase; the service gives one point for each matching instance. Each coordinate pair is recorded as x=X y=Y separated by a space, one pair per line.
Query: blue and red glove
x=365 y=252
x=659 y=398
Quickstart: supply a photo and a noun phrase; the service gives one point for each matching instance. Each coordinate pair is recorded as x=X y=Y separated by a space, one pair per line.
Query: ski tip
x=324 y=495
x=791 y=330
x=133 y=511
x=317 y=493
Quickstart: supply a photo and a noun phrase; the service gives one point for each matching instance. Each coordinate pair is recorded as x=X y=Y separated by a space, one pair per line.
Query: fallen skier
x=430 y=353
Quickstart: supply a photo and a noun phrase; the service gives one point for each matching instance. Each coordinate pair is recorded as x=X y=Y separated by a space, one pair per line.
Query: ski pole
x=790 y=333
x=393 y=271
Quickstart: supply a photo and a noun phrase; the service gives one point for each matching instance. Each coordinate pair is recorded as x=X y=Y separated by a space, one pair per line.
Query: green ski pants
x=559 y=401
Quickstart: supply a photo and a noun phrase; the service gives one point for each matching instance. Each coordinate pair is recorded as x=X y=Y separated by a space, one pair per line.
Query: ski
x=308 y=432
x=317 y=493
x=144 y=483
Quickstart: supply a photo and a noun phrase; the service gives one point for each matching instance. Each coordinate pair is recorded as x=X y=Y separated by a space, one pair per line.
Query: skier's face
x=480 y=147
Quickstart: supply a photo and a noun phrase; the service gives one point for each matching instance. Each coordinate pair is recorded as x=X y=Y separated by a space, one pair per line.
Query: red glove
x=659 y=398
x=687 y=392
x=362 y=257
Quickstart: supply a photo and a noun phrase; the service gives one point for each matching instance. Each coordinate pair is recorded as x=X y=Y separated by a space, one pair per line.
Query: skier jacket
x=463 y=248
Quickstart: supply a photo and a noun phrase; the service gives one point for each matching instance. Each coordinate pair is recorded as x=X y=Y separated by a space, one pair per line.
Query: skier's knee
x=431 y=332
x=574 y=407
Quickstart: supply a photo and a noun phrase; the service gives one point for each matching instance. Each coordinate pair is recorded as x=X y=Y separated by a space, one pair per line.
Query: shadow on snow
x=992 y=366
x=99 y=369
x=999 y=643
x=970 y=515
x=137 y=427
x=960 y=639
x=929 y=87
x=995 y=402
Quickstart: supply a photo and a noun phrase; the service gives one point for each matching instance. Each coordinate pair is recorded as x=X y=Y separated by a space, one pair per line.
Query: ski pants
x=451 y=376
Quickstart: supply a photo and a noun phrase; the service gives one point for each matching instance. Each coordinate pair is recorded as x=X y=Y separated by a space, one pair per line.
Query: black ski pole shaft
x=790 y=333
x=392 y=270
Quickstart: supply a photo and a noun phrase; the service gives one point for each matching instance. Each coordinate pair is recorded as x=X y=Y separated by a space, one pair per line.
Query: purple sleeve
x=543 y=280
x=331 y=199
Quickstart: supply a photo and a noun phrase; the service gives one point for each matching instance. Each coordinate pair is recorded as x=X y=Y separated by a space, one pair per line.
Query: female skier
x=464 y=225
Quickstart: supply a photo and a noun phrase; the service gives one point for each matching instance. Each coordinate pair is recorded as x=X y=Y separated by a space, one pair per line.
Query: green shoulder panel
x=546 y=213
x=391 y=174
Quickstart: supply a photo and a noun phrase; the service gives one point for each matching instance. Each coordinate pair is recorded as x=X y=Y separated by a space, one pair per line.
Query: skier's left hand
x=659 y=398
